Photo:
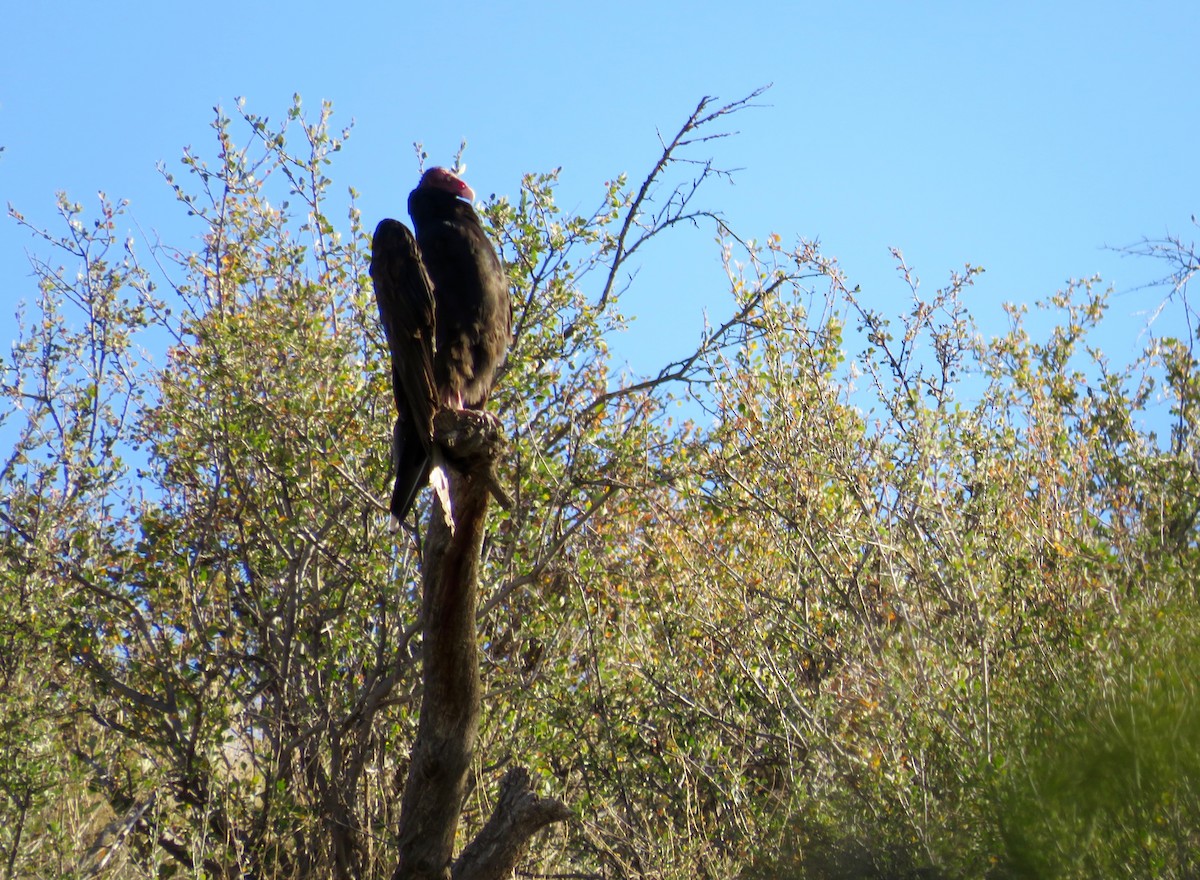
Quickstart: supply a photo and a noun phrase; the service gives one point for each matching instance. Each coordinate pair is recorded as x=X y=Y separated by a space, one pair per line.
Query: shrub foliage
x=838 y=592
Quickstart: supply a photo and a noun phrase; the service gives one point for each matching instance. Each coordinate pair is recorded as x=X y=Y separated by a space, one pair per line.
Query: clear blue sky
x=1023 y=137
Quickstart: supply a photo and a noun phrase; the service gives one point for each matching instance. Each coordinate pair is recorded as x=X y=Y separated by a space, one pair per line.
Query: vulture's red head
x=440 y=178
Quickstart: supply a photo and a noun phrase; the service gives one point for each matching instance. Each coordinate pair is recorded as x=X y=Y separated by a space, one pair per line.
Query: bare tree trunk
x=449 y=723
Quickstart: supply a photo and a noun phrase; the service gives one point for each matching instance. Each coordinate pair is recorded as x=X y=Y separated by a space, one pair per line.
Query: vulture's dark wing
x=474 y=317
x=406 y=310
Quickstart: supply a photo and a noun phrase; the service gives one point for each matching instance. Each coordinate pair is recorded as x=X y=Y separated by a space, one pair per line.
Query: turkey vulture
x=443 y=301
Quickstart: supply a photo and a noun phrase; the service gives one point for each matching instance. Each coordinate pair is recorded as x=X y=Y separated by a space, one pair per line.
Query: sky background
x=1022 y=137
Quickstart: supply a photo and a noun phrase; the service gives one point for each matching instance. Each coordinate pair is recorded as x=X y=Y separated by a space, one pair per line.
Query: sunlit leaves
x=805 y=595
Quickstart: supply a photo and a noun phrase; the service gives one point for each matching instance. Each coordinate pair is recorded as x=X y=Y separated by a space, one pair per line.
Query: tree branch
x=449 y=722
x=519 y=814
x=675 y=210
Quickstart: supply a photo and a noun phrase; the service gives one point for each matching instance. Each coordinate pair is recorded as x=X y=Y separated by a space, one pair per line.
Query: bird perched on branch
x=443 y=302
